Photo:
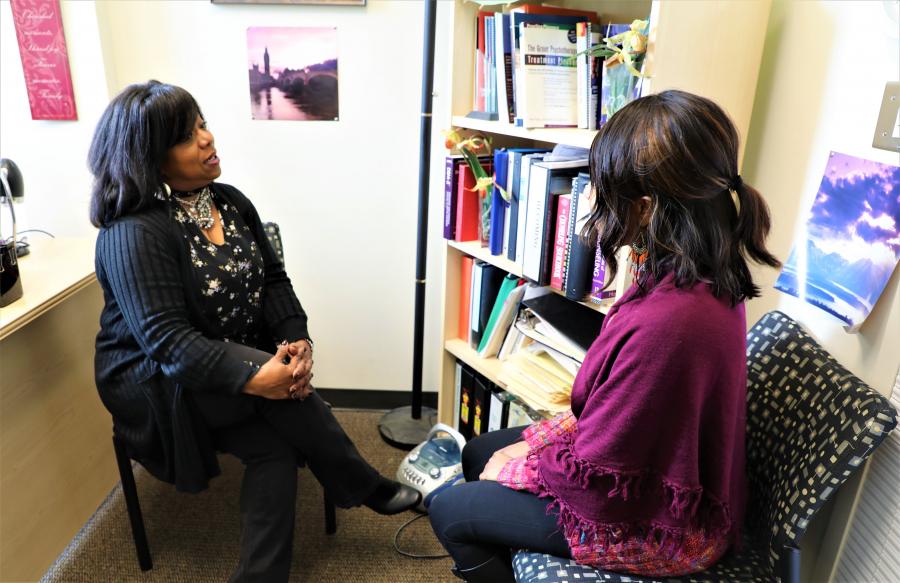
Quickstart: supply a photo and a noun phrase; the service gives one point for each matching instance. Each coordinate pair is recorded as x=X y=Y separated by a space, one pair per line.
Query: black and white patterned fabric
x=273 y=233
x=810 y=424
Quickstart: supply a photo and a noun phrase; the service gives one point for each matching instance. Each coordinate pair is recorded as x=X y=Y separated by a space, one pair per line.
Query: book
x=508 y=206
x=466 y=402
x=546 y=76
x=486 y=282
x=480 y=72
x=581 y=254
x=503 y=51
x=468 y=205
x=451 y=175
x=465 y=296
x=457 y=388
x=517 y=19
x=498 y=204
x=569 y=322
x=598 y=279
x=502 y=316
x=516 y=156
x=499 y=410
x=560 y=239
x=555 y=11
x=468 y=202
x=482 y=406
x=547 y=180
x=489 y=74
x=586 y=37
x=524 y=180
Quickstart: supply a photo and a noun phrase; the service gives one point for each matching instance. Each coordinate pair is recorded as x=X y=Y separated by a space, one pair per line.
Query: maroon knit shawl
x=660 y=404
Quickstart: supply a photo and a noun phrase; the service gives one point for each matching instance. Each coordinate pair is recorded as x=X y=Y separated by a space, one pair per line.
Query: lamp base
x=400 y=430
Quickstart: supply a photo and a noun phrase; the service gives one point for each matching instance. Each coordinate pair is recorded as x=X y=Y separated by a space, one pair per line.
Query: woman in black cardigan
x=203 y=345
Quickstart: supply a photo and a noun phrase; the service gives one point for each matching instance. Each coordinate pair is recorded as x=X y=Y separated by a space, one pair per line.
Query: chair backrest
x=273 y=233
x=810 y=424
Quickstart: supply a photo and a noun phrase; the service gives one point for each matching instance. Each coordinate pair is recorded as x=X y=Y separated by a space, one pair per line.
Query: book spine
x=538 y=193
x=594 y=69
x=465 y=297
x=581 y=66
x=599 y=279
x=479 y=64
x=563 y=208
x=450 y=198
x=498 y=205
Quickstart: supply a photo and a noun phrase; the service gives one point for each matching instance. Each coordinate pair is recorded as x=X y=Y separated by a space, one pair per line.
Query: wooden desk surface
x=54 y=270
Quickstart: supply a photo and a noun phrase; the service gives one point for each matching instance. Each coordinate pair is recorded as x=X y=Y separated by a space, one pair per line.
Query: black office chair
x=126 y=474
x=810 y=425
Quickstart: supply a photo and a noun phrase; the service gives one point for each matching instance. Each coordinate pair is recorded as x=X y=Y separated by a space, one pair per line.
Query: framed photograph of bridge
x=293 y=73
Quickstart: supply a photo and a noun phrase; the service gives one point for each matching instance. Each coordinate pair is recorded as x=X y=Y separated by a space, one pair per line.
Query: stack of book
x=545 y=348
x=540 y=228
x=530 y=69
x=481 y=406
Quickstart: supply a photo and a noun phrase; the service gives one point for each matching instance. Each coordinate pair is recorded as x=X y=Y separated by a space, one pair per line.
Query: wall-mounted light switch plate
x=887 y=129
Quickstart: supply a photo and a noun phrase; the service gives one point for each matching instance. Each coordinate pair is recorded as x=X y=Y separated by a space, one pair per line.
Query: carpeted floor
x=194 y=538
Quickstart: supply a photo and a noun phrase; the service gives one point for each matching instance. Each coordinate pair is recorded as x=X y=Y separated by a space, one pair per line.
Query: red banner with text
x=45 y=60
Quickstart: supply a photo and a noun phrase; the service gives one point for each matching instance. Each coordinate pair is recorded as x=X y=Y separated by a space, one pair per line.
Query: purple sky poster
x=293 y=73
x=852 y=240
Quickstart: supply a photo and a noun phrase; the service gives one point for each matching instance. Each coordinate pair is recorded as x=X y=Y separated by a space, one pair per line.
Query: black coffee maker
x=12 y=188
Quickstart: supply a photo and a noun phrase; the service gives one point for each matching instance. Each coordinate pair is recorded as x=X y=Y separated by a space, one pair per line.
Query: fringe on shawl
x=698 y=508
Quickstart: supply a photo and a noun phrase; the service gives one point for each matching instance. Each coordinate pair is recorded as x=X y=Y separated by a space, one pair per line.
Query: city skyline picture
x=852 y=241
x=293 y=73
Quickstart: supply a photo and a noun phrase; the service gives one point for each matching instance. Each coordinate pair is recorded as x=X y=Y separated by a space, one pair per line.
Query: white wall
x=52 y=154
x=343 y=192
x=816 y=94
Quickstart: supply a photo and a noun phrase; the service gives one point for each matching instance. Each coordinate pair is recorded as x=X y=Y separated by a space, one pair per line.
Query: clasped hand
x=287 y=375
x=501 y=457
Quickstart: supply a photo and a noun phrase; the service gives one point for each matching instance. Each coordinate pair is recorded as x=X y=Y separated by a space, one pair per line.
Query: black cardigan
x=155 y=345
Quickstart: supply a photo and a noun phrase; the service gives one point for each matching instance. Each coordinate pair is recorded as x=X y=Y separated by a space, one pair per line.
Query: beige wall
x=823 y=74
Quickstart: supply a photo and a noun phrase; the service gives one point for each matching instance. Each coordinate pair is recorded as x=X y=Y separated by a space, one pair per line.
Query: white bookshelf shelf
x=474 y=249
x=568 y=136
x=489 y=367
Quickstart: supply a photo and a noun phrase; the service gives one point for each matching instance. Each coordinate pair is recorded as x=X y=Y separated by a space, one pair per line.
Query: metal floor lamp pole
x=406 y=427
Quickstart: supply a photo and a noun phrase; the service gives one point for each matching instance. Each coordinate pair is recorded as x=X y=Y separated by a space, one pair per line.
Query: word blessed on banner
x=45 y=61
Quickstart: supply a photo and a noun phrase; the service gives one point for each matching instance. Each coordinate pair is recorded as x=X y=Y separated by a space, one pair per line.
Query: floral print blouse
x=231 y=275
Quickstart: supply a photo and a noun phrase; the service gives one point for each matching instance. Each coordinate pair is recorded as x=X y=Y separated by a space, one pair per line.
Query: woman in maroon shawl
x=645 y=474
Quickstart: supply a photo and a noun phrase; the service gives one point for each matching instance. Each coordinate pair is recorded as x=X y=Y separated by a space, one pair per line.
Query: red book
x=539 y=9
x=467 y=205
x=563 y=214
x=465 y=296
x=468 y=202
x=480 y=69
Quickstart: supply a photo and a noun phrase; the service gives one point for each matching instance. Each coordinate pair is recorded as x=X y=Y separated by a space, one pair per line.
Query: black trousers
x=271 y=437
x=478 y=521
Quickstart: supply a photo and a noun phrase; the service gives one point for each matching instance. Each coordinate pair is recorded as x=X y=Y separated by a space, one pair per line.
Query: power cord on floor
x=413 y=555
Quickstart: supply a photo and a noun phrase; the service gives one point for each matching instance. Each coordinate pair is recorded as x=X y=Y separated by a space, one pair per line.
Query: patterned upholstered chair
x=810 y=424
x=126 y=473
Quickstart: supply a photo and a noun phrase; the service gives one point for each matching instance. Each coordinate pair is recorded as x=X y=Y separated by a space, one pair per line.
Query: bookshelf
x=692 y=46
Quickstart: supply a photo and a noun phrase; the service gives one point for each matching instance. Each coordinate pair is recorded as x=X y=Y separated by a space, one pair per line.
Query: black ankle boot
x=492 y=571
x=392 y=497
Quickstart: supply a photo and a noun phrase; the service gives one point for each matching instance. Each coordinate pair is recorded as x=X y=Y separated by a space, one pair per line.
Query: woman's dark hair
x=130 y=143
x=681 y=150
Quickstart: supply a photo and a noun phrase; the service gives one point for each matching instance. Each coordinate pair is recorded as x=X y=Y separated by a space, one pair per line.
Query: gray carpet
x=194 y=537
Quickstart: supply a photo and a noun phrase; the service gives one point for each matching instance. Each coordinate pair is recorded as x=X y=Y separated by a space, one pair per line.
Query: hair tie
x=735 y=183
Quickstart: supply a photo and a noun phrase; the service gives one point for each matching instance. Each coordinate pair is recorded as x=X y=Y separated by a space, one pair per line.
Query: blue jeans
x=477 y=521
